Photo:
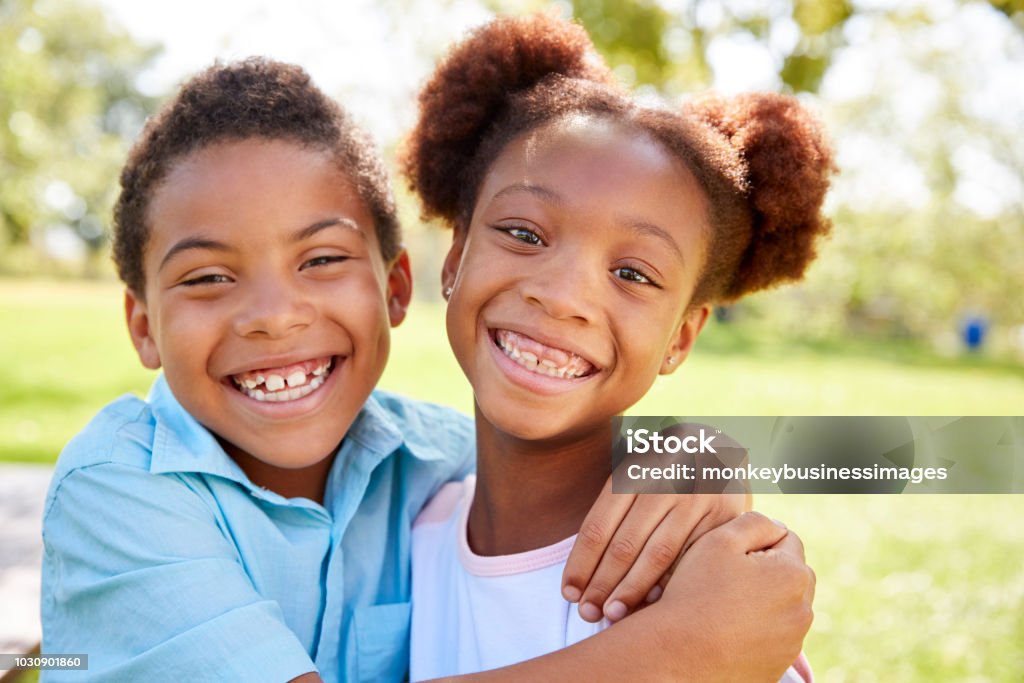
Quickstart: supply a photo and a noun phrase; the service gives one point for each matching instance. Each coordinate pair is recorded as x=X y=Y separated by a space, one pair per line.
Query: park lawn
x=910 y=588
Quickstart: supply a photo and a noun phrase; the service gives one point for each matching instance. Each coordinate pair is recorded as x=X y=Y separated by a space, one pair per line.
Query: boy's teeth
x=288 y=384
x=290 y=394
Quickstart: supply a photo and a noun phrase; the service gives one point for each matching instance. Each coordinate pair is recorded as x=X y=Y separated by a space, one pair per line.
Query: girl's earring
x=447 y=293
x=670 y=360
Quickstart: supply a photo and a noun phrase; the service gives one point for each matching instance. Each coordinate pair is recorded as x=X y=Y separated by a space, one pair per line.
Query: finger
x=624 y=550
x=750 y=532
x=597 y=530
x=791 y=545
x=720 y=510
x=643 y=582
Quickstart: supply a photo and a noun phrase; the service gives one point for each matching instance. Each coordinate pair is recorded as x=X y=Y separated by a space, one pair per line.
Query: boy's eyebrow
x=339 y=221
x=646 y=228
x=192 y=243
x=537 y=190
x=304 y=233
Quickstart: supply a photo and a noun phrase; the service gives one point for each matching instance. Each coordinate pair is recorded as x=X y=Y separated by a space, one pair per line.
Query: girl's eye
x=633 y=275
x=323 y=261
x=210 y=279
x=523 y=235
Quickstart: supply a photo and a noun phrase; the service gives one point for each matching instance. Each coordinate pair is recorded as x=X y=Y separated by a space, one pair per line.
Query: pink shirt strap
x=803 y=667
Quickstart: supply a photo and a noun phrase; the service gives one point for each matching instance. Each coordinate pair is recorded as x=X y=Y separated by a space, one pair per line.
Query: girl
x=591 y=238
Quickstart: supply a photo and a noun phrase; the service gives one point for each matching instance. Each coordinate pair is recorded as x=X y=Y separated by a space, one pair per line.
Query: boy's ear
x=452 y=261
x=399 y=288
x=137 y=317
x=686 y=335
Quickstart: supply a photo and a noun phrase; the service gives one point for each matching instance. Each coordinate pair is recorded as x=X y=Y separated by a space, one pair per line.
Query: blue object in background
x=973 y=331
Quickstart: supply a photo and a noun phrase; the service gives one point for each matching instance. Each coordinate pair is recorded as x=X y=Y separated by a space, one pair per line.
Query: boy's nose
x=564 y=289
x=273 y=310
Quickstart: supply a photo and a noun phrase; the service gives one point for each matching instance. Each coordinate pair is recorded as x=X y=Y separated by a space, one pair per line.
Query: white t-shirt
x=472 y=613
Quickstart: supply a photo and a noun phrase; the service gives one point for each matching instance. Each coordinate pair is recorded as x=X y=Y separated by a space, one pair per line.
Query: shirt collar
x=182 y=444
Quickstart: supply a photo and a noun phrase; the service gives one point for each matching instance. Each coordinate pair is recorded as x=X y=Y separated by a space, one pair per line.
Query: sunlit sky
x=353 y=49
x=374 y=59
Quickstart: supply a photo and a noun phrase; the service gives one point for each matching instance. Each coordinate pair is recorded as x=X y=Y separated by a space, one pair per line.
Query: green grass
x=910 y=588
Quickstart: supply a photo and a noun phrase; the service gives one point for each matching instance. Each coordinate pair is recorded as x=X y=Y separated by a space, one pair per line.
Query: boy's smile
x=571 y=284
x=267 y=301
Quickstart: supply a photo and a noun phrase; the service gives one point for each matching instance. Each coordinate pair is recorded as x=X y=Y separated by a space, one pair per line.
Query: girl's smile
x=538 y=367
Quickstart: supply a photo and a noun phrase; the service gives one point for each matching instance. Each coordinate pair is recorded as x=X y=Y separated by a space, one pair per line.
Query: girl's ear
x=684 y=339
x=450 y=271
x=399 y=288
x=137 y=316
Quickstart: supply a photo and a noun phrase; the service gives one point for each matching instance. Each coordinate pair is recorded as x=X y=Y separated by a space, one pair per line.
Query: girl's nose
x=564 y=289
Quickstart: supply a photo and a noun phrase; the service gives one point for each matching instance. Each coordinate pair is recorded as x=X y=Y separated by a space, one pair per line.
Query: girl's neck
x=530 y=494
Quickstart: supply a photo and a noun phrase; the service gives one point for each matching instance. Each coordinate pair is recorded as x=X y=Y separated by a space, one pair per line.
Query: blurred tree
x=665 y=44
x=1011 y=8
x=69 y=105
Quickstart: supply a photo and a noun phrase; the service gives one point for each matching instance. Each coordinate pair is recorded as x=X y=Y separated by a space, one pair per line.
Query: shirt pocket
x=382 y=641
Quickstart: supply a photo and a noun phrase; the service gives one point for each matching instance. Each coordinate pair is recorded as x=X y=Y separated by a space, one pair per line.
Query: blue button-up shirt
x=163 y=562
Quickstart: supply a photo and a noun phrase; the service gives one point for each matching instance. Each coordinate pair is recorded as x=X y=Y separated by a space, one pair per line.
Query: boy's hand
x=629 y=543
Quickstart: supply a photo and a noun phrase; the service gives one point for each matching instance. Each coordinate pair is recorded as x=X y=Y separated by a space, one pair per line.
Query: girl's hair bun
x=789 y=164
x=470 y=89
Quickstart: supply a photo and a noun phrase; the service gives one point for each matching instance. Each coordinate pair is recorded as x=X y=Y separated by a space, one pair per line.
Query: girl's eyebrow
x=643 y=227
x=536 y=190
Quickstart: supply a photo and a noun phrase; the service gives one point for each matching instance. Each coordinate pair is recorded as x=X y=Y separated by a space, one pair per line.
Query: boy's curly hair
x=762 y=159
x=253 y=98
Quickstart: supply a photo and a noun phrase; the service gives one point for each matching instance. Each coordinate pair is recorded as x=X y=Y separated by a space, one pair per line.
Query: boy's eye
x=210 y=279
x=633 y=275
x=323 y=261
x=523 y=235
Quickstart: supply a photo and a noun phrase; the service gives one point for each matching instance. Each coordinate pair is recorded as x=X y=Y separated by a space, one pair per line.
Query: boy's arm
x=736 y=609
x=138 y=575
x=628 y=542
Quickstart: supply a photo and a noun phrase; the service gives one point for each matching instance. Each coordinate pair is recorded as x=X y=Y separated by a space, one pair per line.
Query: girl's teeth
x=508 y=343
x=296 y=378
x=274 y=383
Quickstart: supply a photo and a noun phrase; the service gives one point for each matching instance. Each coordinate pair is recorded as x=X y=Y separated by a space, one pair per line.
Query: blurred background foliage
x=68 y=105
x=928 y=207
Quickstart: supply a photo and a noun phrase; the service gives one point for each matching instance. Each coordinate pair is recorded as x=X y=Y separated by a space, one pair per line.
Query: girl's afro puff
x=788 y=166
x=761 y=159
x=470 y=89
